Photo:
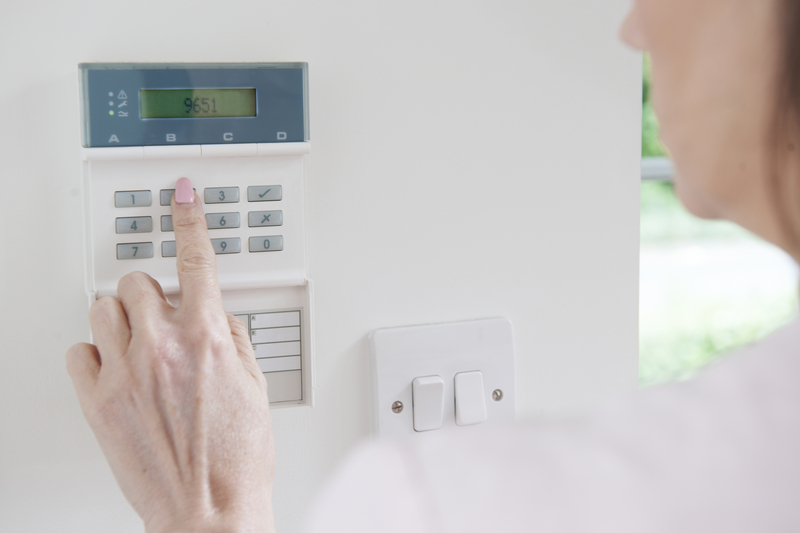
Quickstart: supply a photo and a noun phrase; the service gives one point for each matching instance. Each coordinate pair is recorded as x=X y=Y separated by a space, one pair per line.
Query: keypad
x=264 y=193
x=132 y=199
x=221 y=195
x=231 y=220
x=135 y=225
x=257 y=219
x=135 y=250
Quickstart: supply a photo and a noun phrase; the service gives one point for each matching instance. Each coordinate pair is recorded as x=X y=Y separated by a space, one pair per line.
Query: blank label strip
x=279 y=364
x=277 y=349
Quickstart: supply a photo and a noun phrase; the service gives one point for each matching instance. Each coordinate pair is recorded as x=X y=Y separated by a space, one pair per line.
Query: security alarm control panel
x=239 y=132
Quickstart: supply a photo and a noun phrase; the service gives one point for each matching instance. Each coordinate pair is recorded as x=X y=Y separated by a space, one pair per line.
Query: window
x=706 y=287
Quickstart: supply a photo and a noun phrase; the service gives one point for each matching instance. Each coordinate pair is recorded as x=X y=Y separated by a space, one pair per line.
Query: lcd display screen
x=197 y=103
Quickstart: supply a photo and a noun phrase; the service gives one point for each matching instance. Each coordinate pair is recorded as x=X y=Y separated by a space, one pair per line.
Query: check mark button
x=264 y=193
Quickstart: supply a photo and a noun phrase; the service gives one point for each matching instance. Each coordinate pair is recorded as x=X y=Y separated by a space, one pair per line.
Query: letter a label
x=113 y=139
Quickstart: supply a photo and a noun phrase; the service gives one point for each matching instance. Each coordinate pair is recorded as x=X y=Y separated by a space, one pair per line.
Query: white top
x=720 y=453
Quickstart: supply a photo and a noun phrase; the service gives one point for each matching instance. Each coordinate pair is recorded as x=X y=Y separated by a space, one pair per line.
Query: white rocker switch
x=470 y=399
x=428 y=399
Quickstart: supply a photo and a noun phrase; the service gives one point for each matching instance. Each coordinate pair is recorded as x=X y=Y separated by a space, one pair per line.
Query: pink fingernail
x=184 y=195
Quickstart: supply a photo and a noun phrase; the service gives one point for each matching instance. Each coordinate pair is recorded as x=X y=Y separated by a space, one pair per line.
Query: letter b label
x=170 y=137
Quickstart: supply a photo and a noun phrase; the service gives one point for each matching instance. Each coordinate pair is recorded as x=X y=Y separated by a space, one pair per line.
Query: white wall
x=469 y=159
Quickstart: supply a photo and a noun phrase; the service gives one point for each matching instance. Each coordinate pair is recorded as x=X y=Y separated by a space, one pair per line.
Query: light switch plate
x=399 y=355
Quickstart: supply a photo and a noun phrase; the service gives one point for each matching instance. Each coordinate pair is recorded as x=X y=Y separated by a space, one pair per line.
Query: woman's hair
x=786 y=189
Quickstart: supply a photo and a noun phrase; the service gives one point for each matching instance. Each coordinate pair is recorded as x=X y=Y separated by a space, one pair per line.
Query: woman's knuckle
x=190 y=223
x=195 y=259
x=133 y=283
x=165 y=351
x=101 y=307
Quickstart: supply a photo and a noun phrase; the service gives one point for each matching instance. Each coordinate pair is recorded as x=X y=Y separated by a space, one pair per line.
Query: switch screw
x=397 y=407
x=497 y=395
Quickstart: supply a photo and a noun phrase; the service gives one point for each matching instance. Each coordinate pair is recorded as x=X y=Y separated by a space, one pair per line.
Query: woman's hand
x=175 y=396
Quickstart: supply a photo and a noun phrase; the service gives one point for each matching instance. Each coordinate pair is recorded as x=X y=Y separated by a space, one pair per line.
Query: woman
x=719 y=453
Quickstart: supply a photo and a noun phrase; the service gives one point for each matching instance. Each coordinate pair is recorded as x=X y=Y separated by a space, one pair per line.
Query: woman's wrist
x=260 y=522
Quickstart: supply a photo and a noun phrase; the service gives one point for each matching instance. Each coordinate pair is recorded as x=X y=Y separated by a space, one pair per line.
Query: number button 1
x=132 y=199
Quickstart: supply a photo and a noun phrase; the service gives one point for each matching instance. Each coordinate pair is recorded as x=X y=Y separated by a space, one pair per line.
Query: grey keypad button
x=166 y=196
x=227 y=246
x=166 y=223
x=222 y=220
x=168 y=249
x=221 y=195
x=266 y=244
x=264 y=193
x=257 y=219
x=135 y=225
x=132 y=199
x=135 y=250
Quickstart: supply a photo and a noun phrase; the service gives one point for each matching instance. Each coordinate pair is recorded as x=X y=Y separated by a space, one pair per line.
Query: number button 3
x=221 y=195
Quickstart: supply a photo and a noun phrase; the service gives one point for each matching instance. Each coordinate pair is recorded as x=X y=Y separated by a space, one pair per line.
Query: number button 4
x=135 y=225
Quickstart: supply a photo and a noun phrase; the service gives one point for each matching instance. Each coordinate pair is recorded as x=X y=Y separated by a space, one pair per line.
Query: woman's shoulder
x=715 y=453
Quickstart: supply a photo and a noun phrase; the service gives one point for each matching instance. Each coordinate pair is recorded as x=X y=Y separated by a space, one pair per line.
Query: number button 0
x=221 y=195
x=272 y=243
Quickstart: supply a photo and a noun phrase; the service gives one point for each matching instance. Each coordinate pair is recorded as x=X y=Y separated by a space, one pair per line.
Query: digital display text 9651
x=197 y=103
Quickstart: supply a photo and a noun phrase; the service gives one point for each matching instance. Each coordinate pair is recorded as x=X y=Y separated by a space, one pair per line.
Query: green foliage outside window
x=651 y=146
